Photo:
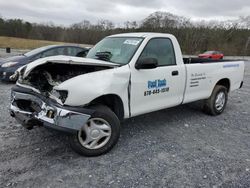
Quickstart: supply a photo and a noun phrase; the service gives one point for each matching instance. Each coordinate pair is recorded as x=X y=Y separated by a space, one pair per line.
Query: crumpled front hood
x=66 y=60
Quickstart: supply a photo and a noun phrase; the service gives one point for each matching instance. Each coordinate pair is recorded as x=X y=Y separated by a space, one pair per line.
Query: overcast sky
x=66 y=12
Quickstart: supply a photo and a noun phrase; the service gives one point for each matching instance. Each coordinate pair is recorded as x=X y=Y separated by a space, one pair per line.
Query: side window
x=72 y=51
x=63 y=51
x=78 y=52
x=160 y=49
x=81 y=52
x=51 y=52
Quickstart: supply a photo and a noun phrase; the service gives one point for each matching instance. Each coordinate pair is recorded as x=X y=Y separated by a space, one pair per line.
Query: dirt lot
x=178 y=147
x=21 y=43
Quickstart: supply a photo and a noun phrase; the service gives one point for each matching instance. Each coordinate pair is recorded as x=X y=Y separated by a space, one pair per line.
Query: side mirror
x=146 y=63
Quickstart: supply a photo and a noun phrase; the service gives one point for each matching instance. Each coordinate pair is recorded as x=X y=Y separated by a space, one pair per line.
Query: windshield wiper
x=106 y=56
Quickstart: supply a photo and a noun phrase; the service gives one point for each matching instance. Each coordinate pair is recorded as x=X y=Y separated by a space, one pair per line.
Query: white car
x=123 y=76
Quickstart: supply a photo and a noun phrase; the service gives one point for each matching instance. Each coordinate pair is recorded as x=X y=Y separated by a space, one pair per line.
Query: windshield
x=118 y=50
x=209 y=52
x=36 y=51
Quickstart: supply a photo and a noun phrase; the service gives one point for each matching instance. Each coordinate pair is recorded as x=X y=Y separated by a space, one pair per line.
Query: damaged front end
x=36 y=101
x=31 y=109
x=46 y=77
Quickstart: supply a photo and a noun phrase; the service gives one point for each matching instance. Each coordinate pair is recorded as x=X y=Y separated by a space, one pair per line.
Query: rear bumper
x=31 y=109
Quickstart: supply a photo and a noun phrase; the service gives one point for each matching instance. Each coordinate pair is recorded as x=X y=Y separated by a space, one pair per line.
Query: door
x=160 y=87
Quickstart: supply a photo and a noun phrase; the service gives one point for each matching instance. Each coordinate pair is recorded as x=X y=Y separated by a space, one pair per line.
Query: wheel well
x=224 y=82
x=113 y=101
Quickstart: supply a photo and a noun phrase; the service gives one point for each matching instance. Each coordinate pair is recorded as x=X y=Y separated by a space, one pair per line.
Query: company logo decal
x=156 y=87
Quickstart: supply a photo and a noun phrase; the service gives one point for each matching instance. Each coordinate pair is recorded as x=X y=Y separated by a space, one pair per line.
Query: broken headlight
x=60 y=94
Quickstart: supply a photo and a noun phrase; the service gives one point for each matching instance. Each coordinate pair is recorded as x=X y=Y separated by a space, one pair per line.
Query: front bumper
x=30 y=109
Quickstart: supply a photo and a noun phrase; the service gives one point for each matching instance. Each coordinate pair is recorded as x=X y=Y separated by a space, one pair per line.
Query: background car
x=9 y=65
x=212 y=55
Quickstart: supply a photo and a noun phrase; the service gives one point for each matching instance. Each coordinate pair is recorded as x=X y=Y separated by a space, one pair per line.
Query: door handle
x=175 y=73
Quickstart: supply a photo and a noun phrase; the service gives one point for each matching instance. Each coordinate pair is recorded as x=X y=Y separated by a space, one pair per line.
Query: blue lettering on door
x=157 y=84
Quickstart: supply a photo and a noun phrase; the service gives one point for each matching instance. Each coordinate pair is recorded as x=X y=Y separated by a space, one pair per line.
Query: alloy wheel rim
x=220 y=101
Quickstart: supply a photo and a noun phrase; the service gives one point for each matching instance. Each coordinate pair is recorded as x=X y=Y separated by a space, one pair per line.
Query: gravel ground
x=178 y=147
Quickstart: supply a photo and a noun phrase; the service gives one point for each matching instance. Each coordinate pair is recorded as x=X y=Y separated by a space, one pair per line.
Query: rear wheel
x=99 y=134
x=216 y=103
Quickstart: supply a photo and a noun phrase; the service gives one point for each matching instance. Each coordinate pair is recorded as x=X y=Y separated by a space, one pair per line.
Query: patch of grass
x=21 y=43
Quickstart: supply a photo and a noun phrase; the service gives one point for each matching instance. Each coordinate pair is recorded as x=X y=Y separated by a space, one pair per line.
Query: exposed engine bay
x=44 y=77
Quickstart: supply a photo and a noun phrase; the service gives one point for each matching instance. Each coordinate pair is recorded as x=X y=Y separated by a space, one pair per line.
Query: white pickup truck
x=123 y=76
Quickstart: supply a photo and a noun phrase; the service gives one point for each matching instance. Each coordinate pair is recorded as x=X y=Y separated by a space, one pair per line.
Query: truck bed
x=202 y=60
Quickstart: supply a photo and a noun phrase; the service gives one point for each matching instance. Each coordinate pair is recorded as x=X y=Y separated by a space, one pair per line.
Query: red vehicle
x=212 y=55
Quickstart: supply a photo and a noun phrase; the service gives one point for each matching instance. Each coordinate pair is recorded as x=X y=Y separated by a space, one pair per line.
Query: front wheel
x=99 y=134
x=216 y=103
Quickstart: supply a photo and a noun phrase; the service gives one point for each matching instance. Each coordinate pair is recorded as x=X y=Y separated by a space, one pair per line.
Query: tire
x=104 y=126
x=216 y=103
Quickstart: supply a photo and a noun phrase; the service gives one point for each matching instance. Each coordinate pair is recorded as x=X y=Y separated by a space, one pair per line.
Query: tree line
x=230 y=37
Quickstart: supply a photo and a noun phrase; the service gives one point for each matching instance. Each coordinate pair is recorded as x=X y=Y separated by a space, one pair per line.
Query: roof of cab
x=142 y=34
